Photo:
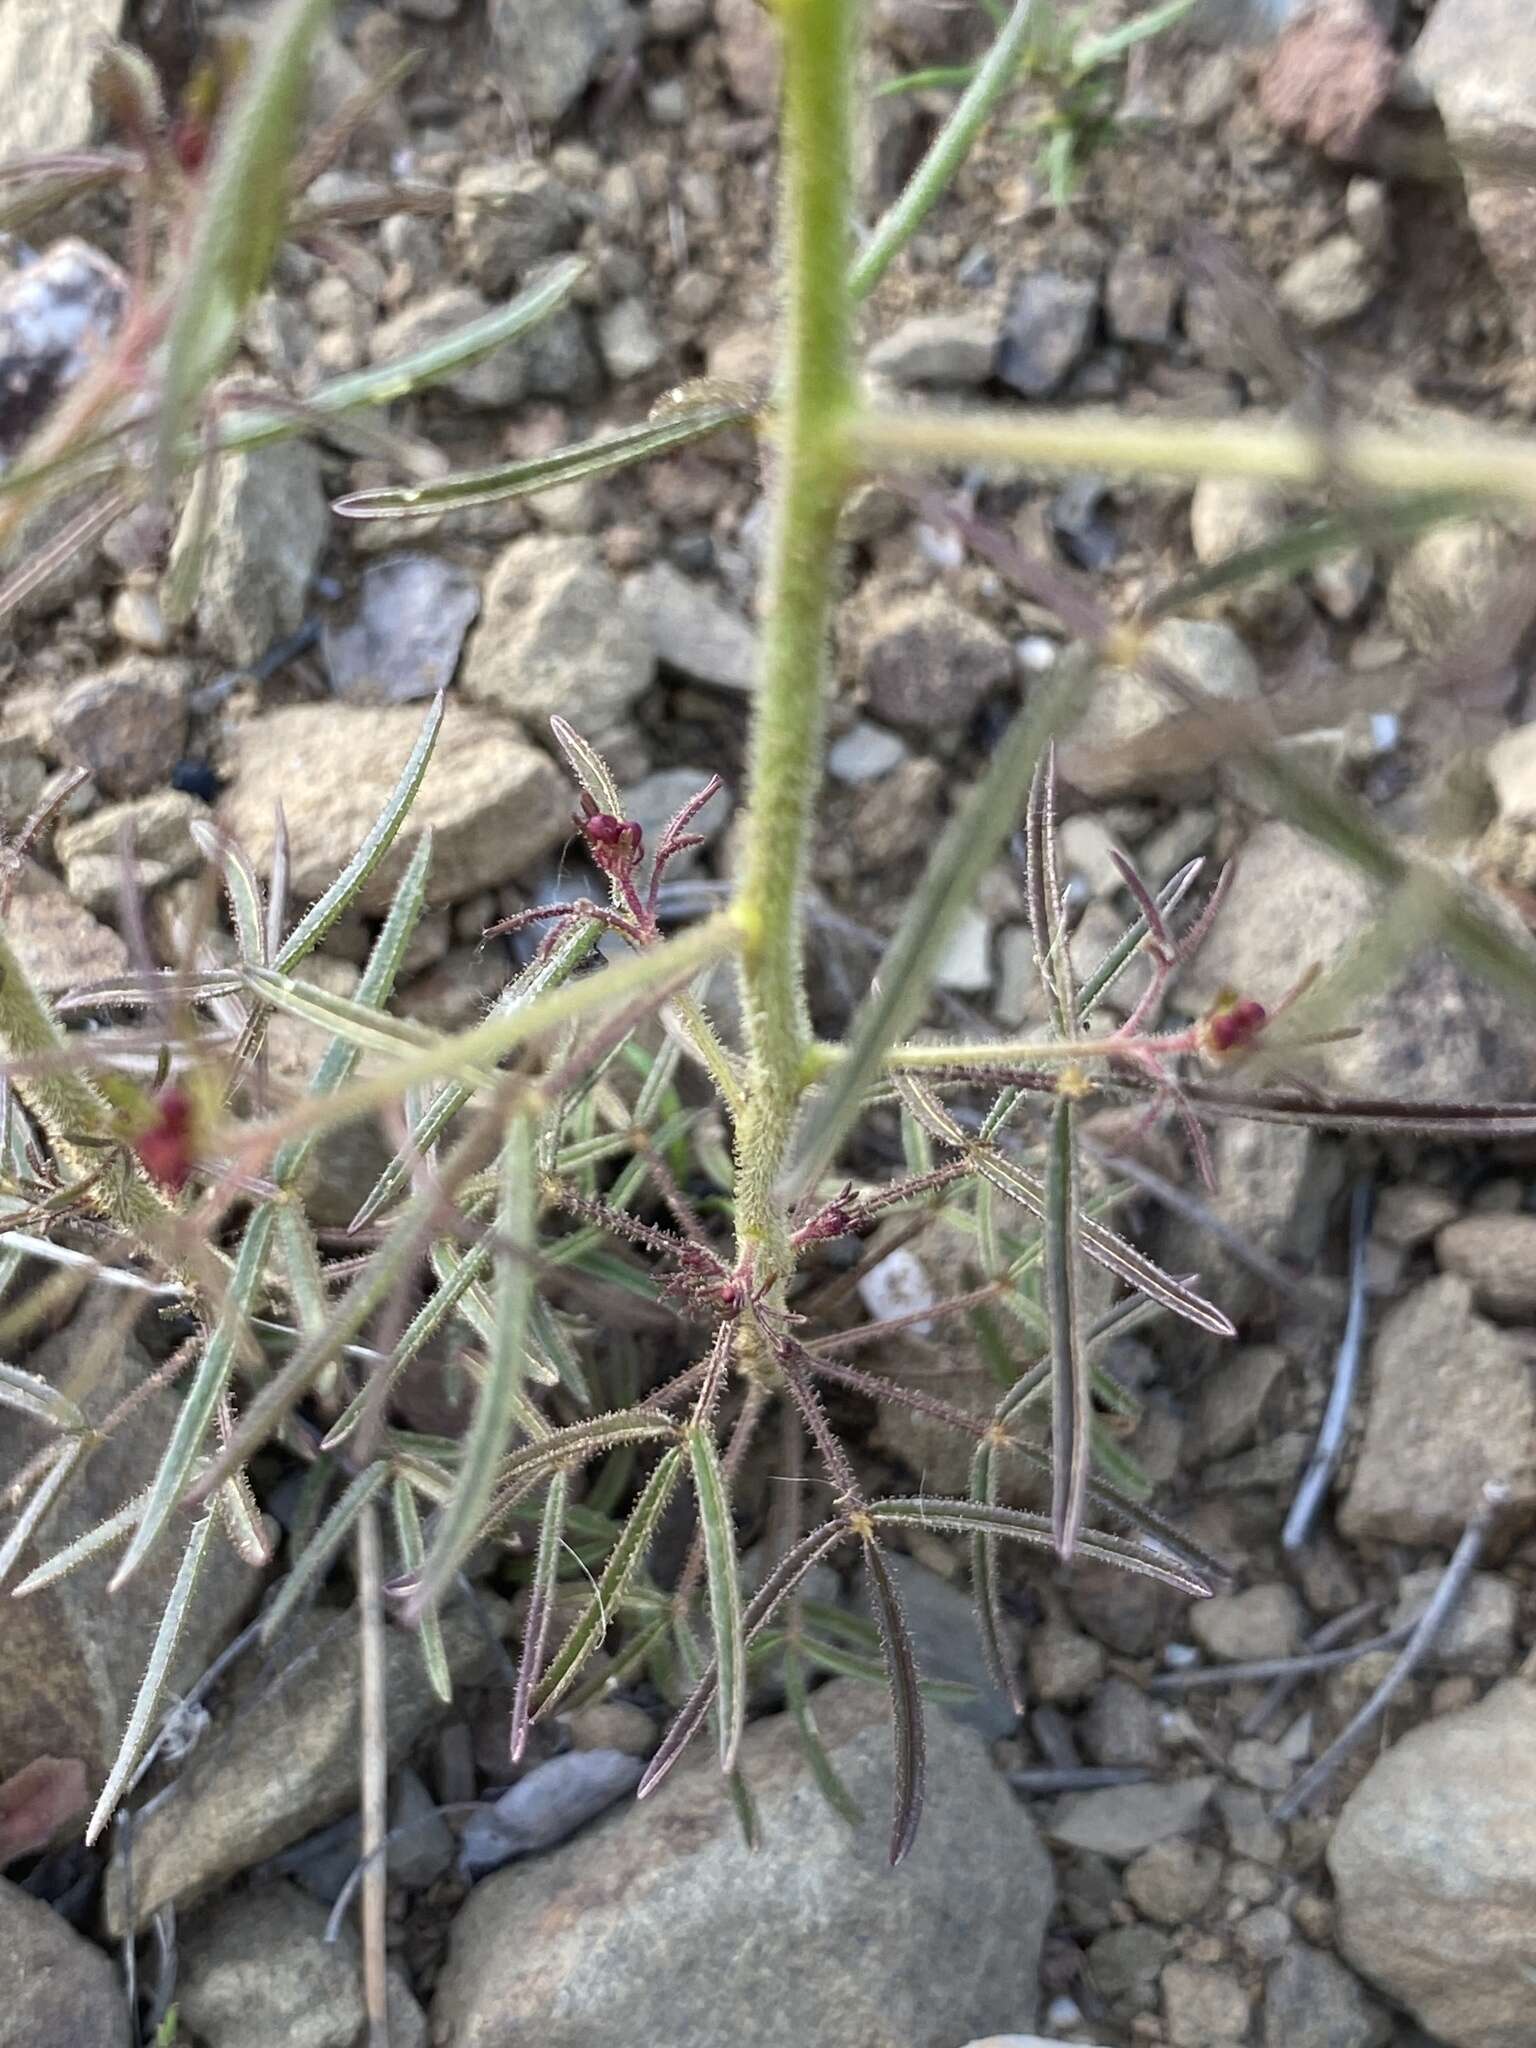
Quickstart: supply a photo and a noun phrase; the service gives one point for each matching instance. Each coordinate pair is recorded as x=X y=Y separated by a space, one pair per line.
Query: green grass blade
x=566 y=465
x=244 y=206
x=485 y=1444
x=1301 y=546
x=765 y=1603
x=725 y=1606
x=344 y=891
x=1095 y=50
x=151 y=1691
x=356 y=1024
x=995 y=75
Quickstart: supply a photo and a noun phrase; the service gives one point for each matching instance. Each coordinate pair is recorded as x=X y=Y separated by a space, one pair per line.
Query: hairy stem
x=64 y=1103
x=785 y=765
x=1498 y=466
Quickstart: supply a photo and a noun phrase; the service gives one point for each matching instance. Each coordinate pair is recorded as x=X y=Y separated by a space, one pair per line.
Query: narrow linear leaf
x=1108 y=1250
x=202 y=1397
x=373 y=991
x=906 y=1701
x=725 y=1608
x=827 y=1778
x=589 y=767
x=387 y=382
x=541 y=975
x=319 y=1553
x=246 y=910
x=1070 y=1399
x=35 y=1398
x=969 y=1516
x=986 y=1587
x=566 y=465
x=786 y=1575
x=624 y=1560
x=412 y=1549
x=240 y=1519
x=241 y=218
x=1129 y=944
x=1047 y=922
x=150 y=1692
x=868 y=1668
x=85 y=1547
x=1313 y=540
x=486 y=1441
x=347 y=886
x=969 y=842
x=39 y=1502
x=541 y=1607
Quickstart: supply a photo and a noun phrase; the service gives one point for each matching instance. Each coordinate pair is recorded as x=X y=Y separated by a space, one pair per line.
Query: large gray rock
x=60 y=1991
x=263 y=546
x=400 y=638
x=287 y=1760
x=550 y=49
x=1497 y=1254
x=60 y=945
x=75 y=1655
x=1128 y=742
x=1312 y=2001
x=255 y=1971
x=45 y=69
x=927 y=663
x=1437 y=1032
x=1120 y=1821
x=1434 y=1871
x=557 y=635
x=694 y=633
x=1477 y=59
x=494 y=803
x=638 y=1930
x=127 y=724
x=1450 y=1405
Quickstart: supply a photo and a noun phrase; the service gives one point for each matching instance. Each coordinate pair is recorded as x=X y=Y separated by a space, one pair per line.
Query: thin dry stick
x=1328 y=1637
x=1209 y=1676
x=1450 y=1589
x=375 y=1776
x=1329 y=1448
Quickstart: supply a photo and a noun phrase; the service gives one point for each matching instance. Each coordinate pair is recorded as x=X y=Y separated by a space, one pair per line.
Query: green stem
x=1496 y=466
x=948 y=150
x=813 y=476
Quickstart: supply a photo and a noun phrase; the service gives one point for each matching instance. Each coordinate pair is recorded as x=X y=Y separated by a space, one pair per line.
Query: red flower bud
x=166 y=1150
